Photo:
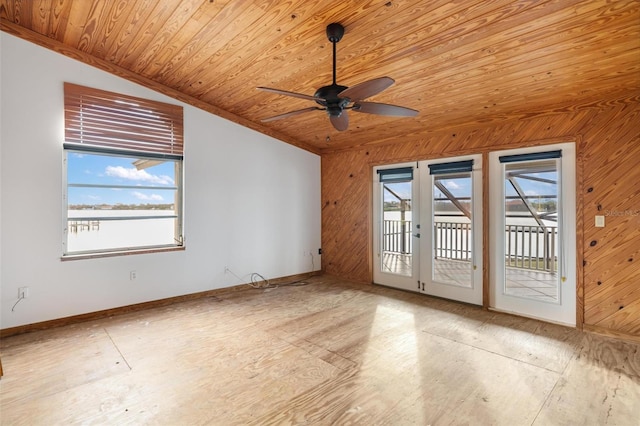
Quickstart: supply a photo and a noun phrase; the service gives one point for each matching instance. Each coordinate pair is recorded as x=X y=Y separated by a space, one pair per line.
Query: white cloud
x=450 y=184
x=145 y=197
x=138 y=175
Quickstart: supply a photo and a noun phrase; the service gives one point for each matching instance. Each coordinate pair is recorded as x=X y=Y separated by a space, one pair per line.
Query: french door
x=451 y=206
x=428 y=230
x=533 y=259
x=397 y=229
x=428 y=227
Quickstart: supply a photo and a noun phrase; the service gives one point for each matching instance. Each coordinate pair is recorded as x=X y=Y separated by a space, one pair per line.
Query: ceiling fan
x=337 y=99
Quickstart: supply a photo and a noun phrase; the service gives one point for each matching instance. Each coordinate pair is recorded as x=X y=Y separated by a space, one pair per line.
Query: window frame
x=168 y=147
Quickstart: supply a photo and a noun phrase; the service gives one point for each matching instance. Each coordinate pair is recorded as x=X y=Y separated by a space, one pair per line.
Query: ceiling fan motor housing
x=329 y=99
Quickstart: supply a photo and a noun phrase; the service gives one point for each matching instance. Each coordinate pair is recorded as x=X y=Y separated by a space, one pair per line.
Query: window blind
x=452 y=167
x=530 y=157
x=106 y=120
x=403 y=174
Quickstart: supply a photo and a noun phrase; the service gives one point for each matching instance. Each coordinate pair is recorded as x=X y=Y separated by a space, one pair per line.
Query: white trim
x=563 y=312
x=380 y=277
x=471 y=294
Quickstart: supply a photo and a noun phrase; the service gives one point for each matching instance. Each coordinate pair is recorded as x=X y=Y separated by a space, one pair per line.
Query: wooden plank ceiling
x=457 y=62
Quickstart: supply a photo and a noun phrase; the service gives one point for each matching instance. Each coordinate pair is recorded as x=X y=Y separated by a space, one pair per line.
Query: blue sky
x=461 y=187
x=113 y=170
x=458 y=187
x=531 y=187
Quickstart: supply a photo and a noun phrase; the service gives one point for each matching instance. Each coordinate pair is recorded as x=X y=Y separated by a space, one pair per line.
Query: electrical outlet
x=133 y=275
x=23 y=292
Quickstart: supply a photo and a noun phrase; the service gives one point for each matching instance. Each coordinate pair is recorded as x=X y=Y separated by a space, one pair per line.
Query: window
x=123 y=163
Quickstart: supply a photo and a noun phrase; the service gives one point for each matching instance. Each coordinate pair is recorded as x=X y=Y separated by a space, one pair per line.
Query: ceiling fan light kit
x=336 y=99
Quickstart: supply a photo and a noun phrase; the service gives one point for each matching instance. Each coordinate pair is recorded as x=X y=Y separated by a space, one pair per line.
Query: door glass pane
x=452 y=242
x=397 y=253
x=531 y=229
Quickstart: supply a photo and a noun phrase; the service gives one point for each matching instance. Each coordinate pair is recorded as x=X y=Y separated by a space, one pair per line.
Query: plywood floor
x=330 y=352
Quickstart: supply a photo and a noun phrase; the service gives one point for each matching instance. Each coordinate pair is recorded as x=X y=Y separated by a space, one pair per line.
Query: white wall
x=252 y=203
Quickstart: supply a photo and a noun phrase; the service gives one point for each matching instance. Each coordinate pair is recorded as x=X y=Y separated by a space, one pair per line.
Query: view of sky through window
x=457 y=187
x=88 y=168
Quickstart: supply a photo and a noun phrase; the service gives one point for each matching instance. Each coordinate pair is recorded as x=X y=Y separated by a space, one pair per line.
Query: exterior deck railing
x=532 y=247
x=527 y=246
x=396 y=236
x=452 y=240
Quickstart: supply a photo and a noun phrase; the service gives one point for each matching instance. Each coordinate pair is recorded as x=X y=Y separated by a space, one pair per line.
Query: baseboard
x=74 y=319
x=611 y=333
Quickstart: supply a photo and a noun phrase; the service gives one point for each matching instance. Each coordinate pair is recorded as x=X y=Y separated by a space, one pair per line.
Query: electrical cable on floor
x=264 y=283
x=258 y=281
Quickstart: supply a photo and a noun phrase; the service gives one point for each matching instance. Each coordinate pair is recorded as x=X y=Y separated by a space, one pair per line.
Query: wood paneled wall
x=607 y=135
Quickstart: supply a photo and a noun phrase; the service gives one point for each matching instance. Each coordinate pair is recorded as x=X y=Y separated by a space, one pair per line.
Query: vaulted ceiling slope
x=457 y=62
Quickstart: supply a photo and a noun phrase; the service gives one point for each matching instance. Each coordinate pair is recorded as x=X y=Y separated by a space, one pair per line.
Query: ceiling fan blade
x=384 y=109
x=290 y=114
x=340 y=122
x=366 y=89
x=285 y=93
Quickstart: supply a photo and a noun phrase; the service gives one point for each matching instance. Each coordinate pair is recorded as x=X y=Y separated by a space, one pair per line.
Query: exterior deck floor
x=538 y=285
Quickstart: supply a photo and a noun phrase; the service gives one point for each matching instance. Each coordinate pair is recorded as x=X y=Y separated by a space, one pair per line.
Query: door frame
x=498 y=301
x=474 y=294
x=410 y=283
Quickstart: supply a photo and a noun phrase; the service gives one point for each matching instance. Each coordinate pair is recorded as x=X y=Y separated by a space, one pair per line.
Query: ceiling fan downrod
x=328 y=95
x=335 y=31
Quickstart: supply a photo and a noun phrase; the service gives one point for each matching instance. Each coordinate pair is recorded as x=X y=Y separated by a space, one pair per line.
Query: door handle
x=416 y=235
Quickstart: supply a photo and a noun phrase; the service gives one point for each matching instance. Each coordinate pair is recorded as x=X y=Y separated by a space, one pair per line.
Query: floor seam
x=491 y=352
x=555 y=385
x=560 y=376
x=118 y=349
